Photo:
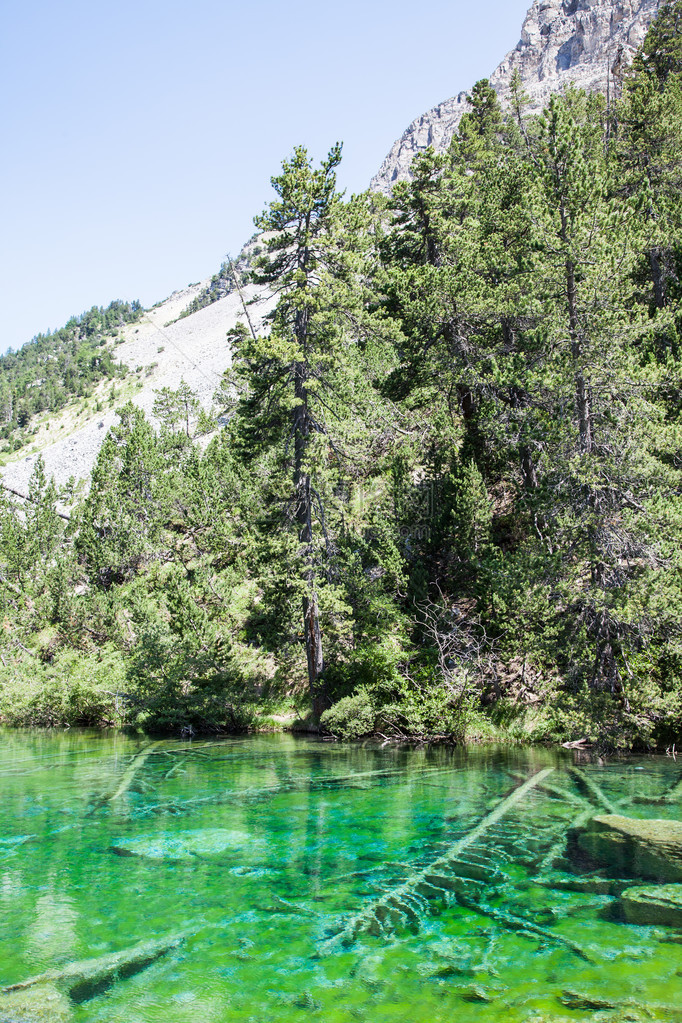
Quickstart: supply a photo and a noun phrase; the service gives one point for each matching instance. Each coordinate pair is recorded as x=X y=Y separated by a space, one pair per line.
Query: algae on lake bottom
x=260 y=851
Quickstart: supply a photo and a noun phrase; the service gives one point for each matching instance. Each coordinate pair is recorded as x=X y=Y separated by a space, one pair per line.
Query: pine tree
x=291 y=390
x=649 y=150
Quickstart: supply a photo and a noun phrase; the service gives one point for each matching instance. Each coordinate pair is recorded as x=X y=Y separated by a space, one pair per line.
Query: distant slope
x=160 y=351
x=586 y=42
x=58 y=367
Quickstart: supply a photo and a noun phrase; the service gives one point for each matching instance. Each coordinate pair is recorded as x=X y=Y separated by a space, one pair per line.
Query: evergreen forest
x=446 y=500
x=55 y=368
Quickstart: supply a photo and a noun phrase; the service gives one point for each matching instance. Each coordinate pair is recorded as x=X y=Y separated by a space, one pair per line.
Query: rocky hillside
x=585 y=42
x=160 y=350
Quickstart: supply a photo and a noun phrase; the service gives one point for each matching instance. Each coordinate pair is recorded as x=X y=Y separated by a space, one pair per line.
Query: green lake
x=291 y=880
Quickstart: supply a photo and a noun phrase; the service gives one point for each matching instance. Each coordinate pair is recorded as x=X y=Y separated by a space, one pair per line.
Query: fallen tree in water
x=127 y=778
x=227 y=797
x=592 y=790
x=48 y=995
x=407 y=904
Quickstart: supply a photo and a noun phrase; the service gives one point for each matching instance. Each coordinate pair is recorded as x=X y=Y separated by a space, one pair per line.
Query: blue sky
x=139 y=138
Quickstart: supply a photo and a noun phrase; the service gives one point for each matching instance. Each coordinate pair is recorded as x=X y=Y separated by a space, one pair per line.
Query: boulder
x=657 y=905
x=186 y=845
x=650 y=849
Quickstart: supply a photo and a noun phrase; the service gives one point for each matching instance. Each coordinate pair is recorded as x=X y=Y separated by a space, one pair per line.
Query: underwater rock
x=655 y=905
x=630 y=1009
x=476 y=993
x=578 y=1000
x=184 y=845
x=650 y=849
x=447 y=971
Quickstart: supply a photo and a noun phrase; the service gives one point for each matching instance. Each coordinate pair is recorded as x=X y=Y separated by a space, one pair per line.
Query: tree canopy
x=446 y=494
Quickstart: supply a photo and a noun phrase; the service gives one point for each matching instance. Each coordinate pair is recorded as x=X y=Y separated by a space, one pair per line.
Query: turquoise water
x=294 y=873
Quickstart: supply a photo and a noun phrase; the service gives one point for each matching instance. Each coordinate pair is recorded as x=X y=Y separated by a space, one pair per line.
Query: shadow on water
x=287 y=878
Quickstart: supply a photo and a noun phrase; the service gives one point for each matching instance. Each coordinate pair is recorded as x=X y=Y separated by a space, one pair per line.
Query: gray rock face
x=584 y=42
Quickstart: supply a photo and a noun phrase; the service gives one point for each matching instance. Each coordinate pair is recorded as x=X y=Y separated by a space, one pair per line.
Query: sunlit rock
x=186 y=845
x=586 y=43
x=650 y=849
x=656 y=905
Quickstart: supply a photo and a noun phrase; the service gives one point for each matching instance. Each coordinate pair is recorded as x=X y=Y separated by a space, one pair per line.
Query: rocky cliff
x=585 y=42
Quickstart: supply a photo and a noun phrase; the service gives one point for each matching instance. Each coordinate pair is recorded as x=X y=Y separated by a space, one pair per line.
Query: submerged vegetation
x=446 y=499
x=282 y=879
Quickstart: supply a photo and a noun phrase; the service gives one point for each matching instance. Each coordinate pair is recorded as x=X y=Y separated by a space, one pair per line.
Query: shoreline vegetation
x=439 y=498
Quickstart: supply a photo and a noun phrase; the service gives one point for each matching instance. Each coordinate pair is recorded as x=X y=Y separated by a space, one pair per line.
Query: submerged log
x=519 y=923
x=559 y=846
x=672 y=795
x=409 y=902
x=590 y=787
x=127 y=778
x=565 y=795
x=228 y=796
x=43 y=1003
x=83 y=980
x=591 y=885
x=132 y=769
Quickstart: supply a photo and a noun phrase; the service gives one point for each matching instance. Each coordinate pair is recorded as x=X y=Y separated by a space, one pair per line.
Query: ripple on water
x=333 y=883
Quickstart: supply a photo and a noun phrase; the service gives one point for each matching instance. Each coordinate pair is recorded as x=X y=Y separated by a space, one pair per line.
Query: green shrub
x=75 y=689
x=351 y=718
x=421 y=712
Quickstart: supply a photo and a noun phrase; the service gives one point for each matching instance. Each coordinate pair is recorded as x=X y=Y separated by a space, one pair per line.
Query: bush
x=426 y=713
x=75 y=689
x=351 y=718
x=409 y=710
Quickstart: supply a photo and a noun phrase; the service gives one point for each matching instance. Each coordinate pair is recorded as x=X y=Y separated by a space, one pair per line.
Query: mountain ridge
x=163 y=349
x=563 y=42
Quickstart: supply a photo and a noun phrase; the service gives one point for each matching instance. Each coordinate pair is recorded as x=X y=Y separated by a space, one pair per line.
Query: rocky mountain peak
x=582 y=42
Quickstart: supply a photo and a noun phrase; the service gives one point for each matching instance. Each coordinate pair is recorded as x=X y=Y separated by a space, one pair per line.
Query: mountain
x=161 y=349
x=584 y=42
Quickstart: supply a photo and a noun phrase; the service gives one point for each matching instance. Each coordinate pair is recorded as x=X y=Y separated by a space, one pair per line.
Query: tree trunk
x=465 y=395
x=605 y=668
x=582 y=392
x=658 y=276
x=311 y=616
x=313 y=648
x=519 y=398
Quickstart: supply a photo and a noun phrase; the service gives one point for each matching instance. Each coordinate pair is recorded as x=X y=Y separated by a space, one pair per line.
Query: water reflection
x=51 y=936
x=111 y=842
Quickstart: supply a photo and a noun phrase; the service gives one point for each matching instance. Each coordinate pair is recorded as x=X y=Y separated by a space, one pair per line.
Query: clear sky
x=139 y=136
